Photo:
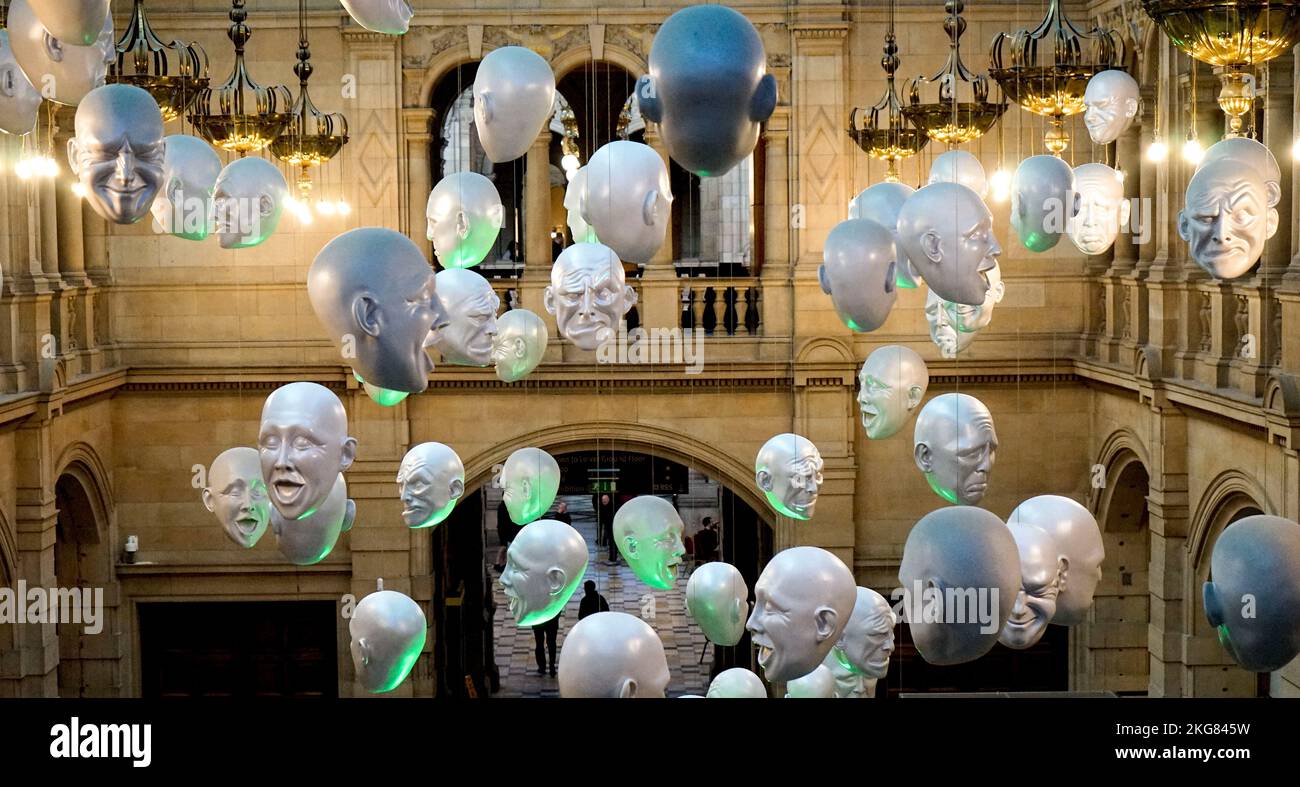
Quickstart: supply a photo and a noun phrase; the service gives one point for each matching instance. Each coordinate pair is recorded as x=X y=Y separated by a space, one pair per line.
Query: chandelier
x=311 y=137
x=1048 y=71
x=893 y=140
x=949 y=119
x=1233 y=36
x=172 y=73
x=240 y=115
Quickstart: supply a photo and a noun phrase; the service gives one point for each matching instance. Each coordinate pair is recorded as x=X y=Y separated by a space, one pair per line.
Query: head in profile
x=530 y=479
x=247 y=201
x=868 y=639
x=1041 y=575
x=946 y=231
x=183 y=206
x=519 y=344
x=544 y=565
x=802 y=604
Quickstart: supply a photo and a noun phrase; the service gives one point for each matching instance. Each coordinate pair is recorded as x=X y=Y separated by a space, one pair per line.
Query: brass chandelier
x=891 y=140
x=172 y=73
x=949 y=119
x=1046 y=71
x=311 y=137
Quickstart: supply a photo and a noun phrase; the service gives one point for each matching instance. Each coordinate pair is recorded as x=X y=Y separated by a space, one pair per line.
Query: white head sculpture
x=310 y=538
x=464 y=216
x=514 y=95
x=881 y=203
x=75 y=22
x=816 y=685
x=868 y=639
x=943 y=327
x=1253 y=594
x=1103 y=210
x=589 y=294
x=304 y=445
x=717 y=599
x=802 y=603
x=960 y=166
x=969 y=319
x=1252 y=154
x=117 y=152
x=960 y=573
x=849 y=684
x=648 y=533
x=544 y=565
x=19 y=101
x=946 y=232
x=430 y=480
x=859 y=271
x=1043 y=201
x=469 y=308
x=519 y=344
x=1079 y=546
x=1042 y=572
x=736 y=683
x=627 y=199
x=381 y=16
x=236 y=493
x=247 y=201
x=63 y=71
x=954 y=445
x=375 y=294
x=530 y=478
x=183 y=206
x=788 y=471
x=1112 y=99
x=613 y=655
x=891 y=385
x=574 y=194
x=387 y=630
x=1226 y=218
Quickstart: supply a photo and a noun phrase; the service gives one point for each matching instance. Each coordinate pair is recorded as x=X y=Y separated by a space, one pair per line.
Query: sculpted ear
x=1124 y=211
x=1130 y=107
x=627 y=689
x=366 y=315
x=764 y=480
x=1272 y=222
x=924 y=460
x=826 y=619
x=1062 y=569
x=914 y=394
x=648 y=208
x=932 y=246
x=457 y=488
x=349 y=453
x=208 y=502
x=53 y=48
x=548 y=300
x=629 y=295
x=1184 y=226
x=555 y=579
x=483 y=105
x=824 y=279
x=74 y=156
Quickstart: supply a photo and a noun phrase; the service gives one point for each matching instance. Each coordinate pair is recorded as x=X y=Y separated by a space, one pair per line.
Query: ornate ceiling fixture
x=241 y=115
x=172 y=73
x=892 y=140
x=1233 y=36
x=949 y=119
x=311 y=137
x=1048 y=71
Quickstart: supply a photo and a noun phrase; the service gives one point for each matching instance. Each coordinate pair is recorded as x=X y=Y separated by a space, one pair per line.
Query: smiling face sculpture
x=1112 y=98
x=788 y=471
x=1041 y=576
x=237 y=494
x=802 y=604
x=304 y=445
x=117 y=153
x=891 y=385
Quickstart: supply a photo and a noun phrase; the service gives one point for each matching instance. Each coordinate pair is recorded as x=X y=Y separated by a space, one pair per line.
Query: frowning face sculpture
x=788 y=471
x=1226 y=218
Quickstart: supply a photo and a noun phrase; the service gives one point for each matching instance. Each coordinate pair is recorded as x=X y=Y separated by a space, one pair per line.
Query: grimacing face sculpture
x=237 y=494
x=788 y=471
x=574 y=193
x=1102 y=208
x=849 y=684
x=802 y=603
x=519 y=344
x=950 y=552
x=1112 y=102
x=943 y=327
x=648 y=533
x=816 y=685
x=1077 y=537
x=470 y=308
x=1042 y=572
x=75 y=22
x=881 y=203
x=736 y=683
x=304 y=445
x=627 y=199
x=946 y=232
x=708 y=88
x=530 y=478
x=1252 y=597
x=464 y=216
x=430 y=480
x=1252 y=154
x=310 y=538
x=858 y=271
x=387 y=631
x=63 y=71
x=375 y=294
x=514 y=96
x=612 y=655
x=381 y=16
x=1043 y=201
x=868 y=639
x=960 y=166
x=955 y=445
x=717 y=599
x=247 y=202
x=544 y=565
x=891 y=384
x=117 y=152
x=183 y=206
x=1226 y=218
x=589 y=294
x=19 y=101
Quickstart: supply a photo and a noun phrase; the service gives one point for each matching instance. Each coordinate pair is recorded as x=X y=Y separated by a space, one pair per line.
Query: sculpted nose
x=125 y=165
x=1220 y=230
x=1019 y=606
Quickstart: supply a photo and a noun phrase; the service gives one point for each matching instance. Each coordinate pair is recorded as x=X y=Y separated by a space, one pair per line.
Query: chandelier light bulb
x=1000 y=185
x=23 y=169
x=78 y=189
x=1192 y=151
x=569 y=162
x=1157 y=151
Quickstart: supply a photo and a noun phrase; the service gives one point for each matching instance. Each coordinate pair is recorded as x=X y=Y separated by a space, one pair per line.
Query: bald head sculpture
x=946 y=232
x=248 y=201
x=304 y=445
x=19 y=100
x=237 y=495
x=1079 y=549
x=613 y=655
x=1226 y=218
x=544 y=565
x=64 y=70
x=1252 y=597
x=589 y=294
x=1103 y=210
x=955 y=445
x=430 y=480
x=117 y=152
x=648 y=533
x=1042 y=572
x=183 y=206
x=891 y=385
x=470 y=308
x=802 y=604
x=788 y=471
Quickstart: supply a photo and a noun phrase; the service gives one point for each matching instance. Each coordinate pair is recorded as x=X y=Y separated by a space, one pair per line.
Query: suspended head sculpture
x=788 y=471
x=960 y=166
x=514 y=95
x=1112 y=98
x=943 y=327
x=388 y=631
x=1251 y=154
x=304 y=445
x=75 y=22
x=310 y=538
x=627 y=199
x=519 y=344
x=237 y=494
x=868 y=639
x=737 y=683
x=954 y=445
x=1043 y=201
x=891 y=385
x=470 y=308
x=574 y=194
x=1226 y=218
x=648 y=534
x=380 y=16
x=881 y=203
x=849 y=684
x=613 y=655
x=1077 y=539
x=816 y=685
x=1042 y=573
x=1253 y=594
x=717 y=599
x=589 y=294
x=183 y=206
x=464 y=216
x=530 y=478
x=969 y=319
x=946 y=232
x=802 y=603
x=248 y=200
x=63 y=71
x=544 y=565
x=117 y=152
x=19 y=101
x=430 y=479
x=859 y=273
x=1102 y=208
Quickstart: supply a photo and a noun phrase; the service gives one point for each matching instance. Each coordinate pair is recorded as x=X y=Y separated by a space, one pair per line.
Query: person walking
x=544 y=635
x=592 y=602
x=562 y=513
x=605 y=510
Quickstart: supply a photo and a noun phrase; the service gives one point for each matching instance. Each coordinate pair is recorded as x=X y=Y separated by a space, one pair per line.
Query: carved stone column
x=373 y=181
x=537 y=202
x=417 y=138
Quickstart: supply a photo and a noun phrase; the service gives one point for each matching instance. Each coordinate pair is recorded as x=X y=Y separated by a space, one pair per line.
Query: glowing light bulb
x=343 y=208
x=1157 y=151
x=569 y=174
x=325 y=208
x=569 y=162
x=1295 y=148
x=1192 y=151
x=23 y=169
x=1120 y=174
x=79 y=190
x=1000 y=185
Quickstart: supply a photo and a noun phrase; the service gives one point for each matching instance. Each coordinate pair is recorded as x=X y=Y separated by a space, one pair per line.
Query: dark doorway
x=239 y=649
x=1044 y=667
x=463 y=607
x=746 y=543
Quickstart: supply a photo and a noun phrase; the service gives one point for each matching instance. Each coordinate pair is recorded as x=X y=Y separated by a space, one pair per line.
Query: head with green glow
x=788 y=470
x=648 y=532
x=868 y=639
x=544 y=565
x=237 y=494
x=464 y=216
x=1043 y=201
x=1252 y=596
x=388 y=631
x=954 y=445
x=431 y=479
x=310 y=538
x=717 y=600
x=892 y=383
x=849 y=684
x=519 y=344
x=816 y=685
x=802 y=602
x=304 y=445
x=530 y=478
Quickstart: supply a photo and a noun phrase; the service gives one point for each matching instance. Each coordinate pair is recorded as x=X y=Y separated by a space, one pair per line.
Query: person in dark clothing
x=506 y=532
x=706 y=542
x=592 y=602
x=605 y=511
x=562 y=513
x=544 y=635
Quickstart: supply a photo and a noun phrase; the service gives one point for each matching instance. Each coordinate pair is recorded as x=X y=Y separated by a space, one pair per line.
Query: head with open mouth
x=868 y=639
x=431 y=479
x=613 y=655
x=802 y=602
x=849 y=683
x=544 y=565
x=1079 y=548
x=1042 y=577
x=236 y=493
x=310 y=538
x=943 y=327
x=946 y=231
x=648 y=533
x=304 y=445
x=892 y=384
x=954 y=445
x=788 y=471
x=1252 y=594
x=530 y=478
x=117 y=153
